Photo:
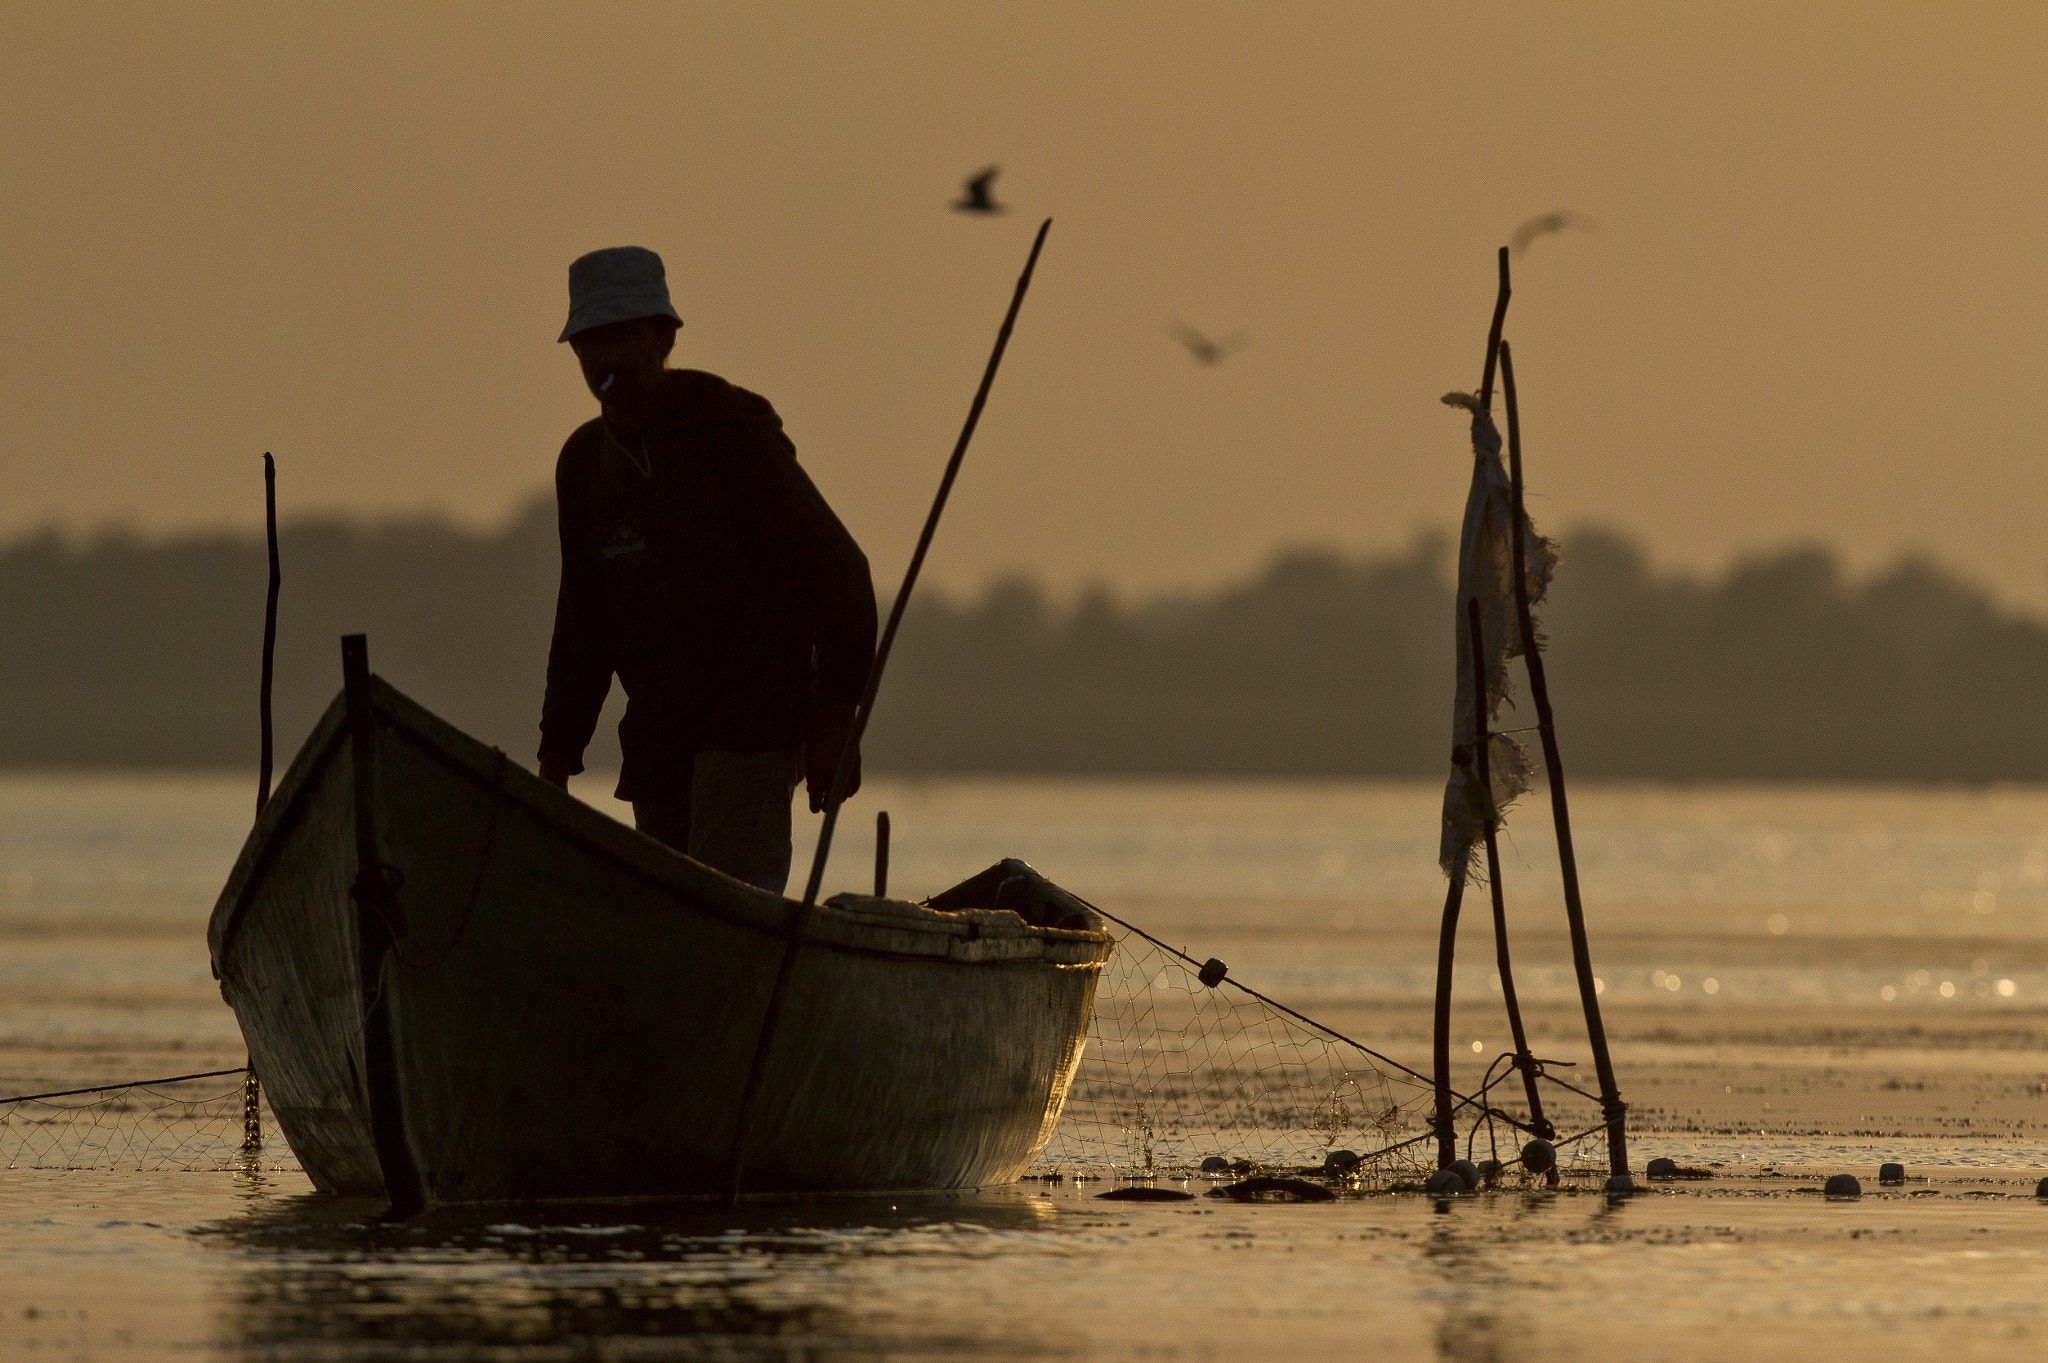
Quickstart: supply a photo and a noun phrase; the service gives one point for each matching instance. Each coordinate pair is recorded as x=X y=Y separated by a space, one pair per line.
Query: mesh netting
x=1177 y=1071
x=190 y=1123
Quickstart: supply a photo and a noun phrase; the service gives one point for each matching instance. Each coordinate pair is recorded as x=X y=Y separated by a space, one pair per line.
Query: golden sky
x=1812 y=308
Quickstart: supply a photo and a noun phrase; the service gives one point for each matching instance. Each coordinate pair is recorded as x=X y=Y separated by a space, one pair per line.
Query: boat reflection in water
x=766 y=1278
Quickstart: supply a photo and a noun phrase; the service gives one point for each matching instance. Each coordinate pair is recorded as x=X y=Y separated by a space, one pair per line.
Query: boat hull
x=569 y=1009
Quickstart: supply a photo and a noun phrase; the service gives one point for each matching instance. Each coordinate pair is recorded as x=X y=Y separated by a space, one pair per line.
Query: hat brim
x=619 y=306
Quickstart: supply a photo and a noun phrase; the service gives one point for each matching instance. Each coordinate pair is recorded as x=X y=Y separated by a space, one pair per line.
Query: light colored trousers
x=734 y=817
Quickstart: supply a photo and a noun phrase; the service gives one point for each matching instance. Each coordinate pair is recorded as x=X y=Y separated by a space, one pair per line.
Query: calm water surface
x=1802 y=906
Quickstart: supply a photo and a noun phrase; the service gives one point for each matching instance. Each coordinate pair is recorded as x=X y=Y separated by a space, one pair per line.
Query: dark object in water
x=1619 y=1185
x=1661 y=1168
x=1213 y=972
x=1215 y=1164
x=1891 y=1173
x=1445 y=1181
x=1140 y=1193
x=1489 y=1170
x=2041 y=1188
x=1843 y=1185
x=571 y=1007
x=1289 y=1189
x=1340 y=1161
x=1466 y=1170
x=1539 y=1156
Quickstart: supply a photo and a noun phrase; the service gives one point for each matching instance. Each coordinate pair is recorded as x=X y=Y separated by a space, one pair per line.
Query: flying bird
x=1202 y=348
x=980 y=196
x=1543 y=226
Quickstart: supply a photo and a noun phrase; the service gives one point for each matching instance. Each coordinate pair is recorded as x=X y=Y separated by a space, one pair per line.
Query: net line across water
x=193 y=1123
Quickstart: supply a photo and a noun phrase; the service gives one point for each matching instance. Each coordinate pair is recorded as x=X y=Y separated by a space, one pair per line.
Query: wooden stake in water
x=881 y=854
x=269 y=632
x=252 y=1092
x=1454 y=897
x=1524 y=1061
x=800 y=921
x=1500 y=315
x=1611 y=1106
x=1446 y=947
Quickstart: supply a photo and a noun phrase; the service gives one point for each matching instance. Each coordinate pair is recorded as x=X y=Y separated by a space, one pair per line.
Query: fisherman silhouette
x=1202 y=348
x=701 y=568
x=980 y=195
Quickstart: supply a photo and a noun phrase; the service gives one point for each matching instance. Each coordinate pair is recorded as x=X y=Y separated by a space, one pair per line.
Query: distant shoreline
x=125 y=655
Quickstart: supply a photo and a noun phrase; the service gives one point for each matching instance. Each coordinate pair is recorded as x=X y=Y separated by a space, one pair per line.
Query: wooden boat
x=458 y=983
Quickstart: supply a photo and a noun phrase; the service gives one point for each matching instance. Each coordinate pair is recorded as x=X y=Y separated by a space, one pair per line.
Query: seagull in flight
x=1202 y=348
x=980 y=196
x=1543 y=226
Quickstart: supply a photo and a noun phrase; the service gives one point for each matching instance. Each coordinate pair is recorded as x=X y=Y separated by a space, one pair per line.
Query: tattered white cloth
x=1486 y=570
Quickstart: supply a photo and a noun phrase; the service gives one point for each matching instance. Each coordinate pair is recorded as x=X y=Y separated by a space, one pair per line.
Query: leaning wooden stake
x=252 y=1090
x=1524 y=1060
x=1446 y=947
x=800 y=921
x=1500 y=314
x=1454 y=897
x=1611 y=1106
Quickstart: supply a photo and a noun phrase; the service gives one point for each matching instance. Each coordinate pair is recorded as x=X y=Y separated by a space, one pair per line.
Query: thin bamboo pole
x=1454 y=896
x=269 y=632
x=1524 y=1060
x=1446 y=947
x=800 y=921
x=252 y=1091
x=1611 y=1106
x=1500 y=314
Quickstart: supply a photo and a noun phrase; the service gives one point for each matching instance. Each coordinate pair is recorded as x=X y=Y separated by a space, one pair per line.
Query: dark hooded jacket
x=715 y=582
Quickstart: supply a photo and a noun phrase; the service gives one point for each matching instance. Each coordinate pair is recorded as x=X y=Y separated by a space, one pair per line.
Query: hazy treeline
x=122 y=653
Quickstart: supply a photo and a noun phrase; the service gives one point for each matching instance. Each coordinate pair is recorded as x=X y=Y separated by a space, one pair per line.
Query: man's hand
x=556 y=770
x=829 y=733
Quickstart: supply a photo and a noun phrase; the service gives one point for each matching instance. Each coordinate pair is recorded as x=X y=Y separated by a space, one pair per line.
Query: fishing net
x=1178 y=1071
x=1183 y=1065
x=188 y=1123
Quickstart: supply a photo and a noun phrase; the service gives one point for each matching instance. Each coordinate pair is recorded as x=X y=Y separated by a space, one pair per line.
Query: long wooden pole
x=1500 y=314
x=1524 y=1060
x=1611 y=1106
x=800 y=921
x=1446 y=948
x=269 y=631
x=1454 y=896
x=252 y=1091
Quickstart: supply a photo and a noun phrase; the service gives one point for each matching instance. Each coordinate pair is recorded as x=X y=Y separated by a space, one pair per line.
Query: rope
x=131 y=1084
x=1563 y=1085
x=1587 y=1132
x=1270 y=1003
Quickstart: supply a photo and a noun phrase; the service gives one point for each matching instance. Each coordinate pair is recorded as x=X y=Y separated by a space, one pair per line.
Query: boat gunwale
x=701 y=887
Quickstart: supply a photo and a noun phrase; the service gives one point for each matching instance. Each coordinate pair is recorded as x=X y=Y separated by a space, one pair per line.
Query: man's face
x=629 y=354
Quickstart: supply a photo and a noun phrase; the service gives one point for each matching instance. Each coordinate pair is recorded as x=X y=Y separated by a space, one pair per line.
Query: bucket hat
x=616 y=284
